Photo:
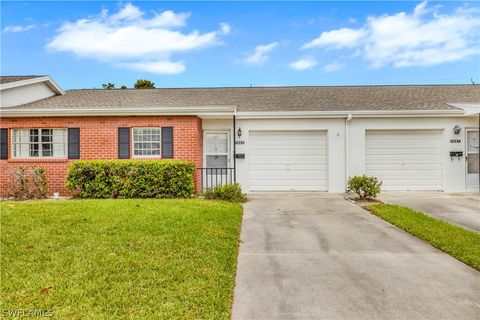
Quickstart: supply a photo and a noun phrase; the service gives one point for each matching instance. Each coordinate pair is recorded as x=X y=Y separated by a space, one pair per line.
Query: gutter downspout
x=234 y=151
x=347 y=148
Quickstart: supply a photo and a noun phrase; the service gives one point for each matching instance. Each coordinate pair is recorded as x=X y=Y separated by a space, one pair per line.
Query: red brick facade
x=99 y=140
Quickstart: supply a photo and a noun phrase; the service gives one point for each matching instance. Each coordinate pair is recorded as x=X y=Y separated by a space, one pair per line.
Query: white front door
x=472 y=159
x=217 y=159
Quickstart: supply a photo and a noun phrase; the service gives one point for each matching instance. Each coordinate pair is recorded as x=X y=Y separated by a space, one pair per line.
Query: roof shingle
x=267 y=99
x=7 y=79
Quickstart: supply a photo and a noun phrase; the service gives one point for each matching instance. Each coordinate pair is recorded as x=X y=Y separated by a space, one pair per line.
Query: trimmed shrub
x=228 y=192
x=365 y=187
x=131 y=179
x=27 y=183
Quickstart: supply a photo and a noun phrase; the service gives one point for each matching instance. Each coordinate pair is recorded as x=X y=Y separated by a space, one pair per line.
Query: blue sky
x=185 y=44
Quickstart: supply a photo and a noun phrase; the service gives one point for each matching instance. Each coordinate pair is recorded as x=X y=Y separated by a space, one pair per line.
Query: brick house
x=268 y=139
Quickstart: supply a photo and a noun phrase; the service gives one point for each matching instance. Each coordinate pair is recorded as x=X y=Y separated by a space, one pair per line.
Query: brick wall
x=99 y=139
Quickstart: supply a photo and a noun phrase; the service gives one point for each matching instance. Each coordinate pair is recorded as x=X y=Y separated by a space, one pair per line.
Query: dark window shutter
x=4 y=143
x=167 y=142
x=123 y=143
x=73 y=143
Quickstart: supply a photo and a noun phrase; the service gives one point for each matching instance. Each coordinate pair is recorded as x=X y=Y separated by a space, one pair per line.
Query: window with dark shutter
x=73 y=143
x=123 y=143
x=3 y=143
x=167 y=142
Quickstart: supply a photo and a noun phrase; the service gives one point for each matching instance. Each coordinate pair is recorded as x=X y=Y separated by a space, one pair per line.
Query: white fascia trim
x=153 y=111
x=345 y=114
x=469 y=108
x=50 y=82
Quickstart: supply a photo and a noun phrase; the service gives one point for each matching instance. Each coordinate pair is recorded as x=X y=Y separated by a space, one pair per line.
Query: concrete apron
x=462 y=209
x=317 y=256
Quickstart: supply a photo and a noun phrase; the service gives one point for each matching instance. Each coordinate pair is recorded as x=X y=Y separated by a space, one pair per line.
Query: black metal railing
x=212 y=177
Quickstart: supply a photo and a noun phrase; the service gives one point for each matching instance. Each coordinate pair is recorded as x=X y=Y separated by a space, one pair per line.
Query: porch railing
x=211 y=177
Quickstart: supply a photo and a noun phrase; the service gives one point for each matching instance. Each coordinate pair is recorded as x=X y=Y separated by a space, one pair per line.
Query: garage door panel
x=432 y=143
x=294 y=152
x=412 y=185
x=292 y=144
x=287 y=134
x=403 y=151
x=405 y=160
x=416 y=135
x=403 y=134
x=287 y=161
x=287 y=184
x=412 y=166
x=292 y=167
x=419 y=174
x=282 y=175
x=296 y=188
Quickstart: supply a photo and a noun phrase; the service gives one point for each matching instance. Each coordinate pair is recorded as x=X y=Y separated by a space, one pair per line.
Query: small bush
x=27 y=183
x=131 y=179
x=365 y=187
x=229 y=192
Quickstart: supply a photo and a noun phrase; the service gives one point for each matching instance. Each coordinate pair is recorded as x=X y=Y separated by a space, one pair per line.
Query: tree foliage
x=108 y=85
x=144 y=84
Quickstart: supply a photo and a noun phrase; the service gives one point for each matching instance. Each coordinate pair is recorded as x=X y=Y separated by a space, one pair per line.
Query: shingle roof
x=7 y=79
x=265 y=99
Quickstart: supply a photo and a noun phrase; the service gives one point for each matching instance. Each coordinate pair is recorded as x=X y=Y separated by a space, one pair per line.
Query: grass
x=128 y=259
x=461 y=244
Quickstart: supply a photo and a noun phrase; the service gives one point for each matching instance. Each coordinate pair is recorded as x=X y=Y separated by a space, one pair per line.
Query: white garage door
x=287 y=161
x=405 y=160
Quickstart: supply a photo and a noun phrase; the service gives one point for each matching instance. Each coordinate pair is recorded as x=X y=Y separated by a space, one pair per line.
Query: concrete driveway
x=462 y=209
x=317 y=256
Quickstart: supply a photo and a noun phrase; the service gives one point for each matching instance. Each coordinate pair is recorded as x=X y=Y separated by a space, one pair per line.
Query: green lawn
x=456 y=241
x=105 y=259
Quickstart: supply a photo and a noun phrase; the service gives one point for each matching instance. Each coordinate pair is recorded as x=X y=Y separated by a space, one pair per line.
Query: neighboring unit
x=421 y=137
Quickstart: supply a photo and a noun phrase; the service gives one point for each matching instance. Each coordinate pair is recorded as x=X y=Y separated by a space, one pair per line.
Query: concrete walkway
x=317 y=256
x=462 y=209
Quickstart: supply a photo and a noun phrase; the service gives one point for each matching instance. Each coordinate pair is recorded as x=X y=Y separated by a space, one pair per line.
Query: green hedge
x=131 y=179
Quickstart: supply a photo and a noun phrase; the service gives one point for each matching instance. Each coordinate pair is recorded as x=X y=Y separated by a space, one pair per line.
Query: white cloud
x=225 y=28
x=260 y=54
x=168 y=19
x=164 y=67
x=19 y=28
x=340 y=38
x=334 y=66
x=423 y=38
x=303 y=64
x=129 y=13
x=128 y=39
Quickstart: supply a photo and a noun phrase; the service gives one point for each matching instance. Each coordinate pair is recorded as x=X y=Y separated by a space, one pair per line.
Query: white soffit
x=468 y=108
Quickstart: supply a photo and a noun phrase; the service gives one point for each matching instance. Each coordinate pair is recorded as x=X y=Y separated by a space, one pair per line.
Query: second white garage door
x=405 y=159
x=287 y=161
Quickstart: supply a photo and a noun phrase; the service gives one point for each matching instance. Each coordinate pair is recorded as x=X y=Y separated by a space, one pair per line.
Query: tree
x=144 y=84
x=123 y=87
x=108 y=86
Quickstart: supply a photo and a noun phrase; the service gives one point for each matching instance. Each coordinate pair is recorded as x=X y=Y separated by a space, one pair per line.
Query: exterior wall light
x=457 y=129
x=239 y=132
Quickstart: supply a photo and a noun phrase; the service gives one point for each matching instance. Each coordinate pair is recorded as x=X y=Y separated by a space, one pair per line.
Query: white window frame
x=133 y=143
x=206 y=153
x=40 y=151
